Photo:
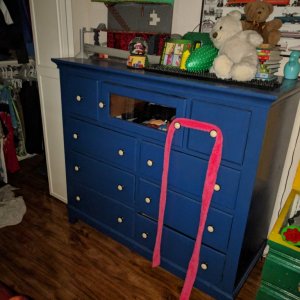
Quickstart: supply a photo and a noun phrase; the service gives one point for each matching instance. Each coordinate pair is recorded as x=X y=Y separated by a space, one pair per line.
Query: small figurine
x=292 y=67
x=138 y=49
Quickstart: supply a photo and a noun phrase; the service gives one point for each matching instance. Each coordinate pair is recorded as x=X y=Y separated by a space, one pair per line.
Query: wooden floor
x=45 y=257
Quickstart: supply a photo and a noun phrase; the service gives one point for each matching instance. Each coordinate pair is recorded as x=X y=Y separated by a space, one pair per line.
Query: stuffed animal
x=256 y=14
x=237 y=57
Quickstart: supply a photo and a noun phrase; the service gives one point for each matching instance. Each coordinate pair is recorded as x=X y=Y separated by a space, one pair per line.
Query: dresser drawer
x=102 y=209
x=187 y=174
x=178 y=249
x=81 y=96
x=106 y=180
x=102 y=144
x=179 y=208
x=234 y=124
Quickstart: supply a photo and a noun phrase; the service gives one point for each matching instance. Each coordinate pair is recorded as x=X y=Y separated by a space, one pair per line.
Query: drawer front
x=187 y=174
x=182 y=214
x=234 y=124
x=106 y=180
x=102 y=209
x=178 y=249
x=81 y=96
x=102 y=144
x=282 y=271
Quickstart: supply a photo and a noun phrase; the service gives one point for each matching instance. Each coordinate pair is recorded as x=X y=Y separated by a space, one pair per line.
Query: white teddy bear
x=237 y=57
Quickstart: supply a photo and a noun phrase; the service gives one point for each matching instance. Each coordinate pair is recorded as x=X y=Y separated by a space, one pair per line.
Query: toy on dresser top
x=237 y=57
x=256 y=15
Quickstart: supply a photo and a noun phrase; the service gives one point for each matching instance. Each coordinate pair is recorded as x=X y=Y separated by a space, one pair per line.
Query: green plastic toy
x=201 y=59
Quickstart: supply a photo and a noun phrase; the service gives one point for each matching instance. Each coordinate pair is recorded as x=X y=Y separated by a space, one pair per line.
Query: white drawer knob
x=148 y=200
x=101 y=104
x=204 y=266
x=120 y=187
x=144 y=235
x=76 y=168
x=75 y=136
x=121 y=152
x=210 y=229
x=78 y=98
x=177 y=125
x=149 y=163
x=217 y=187
x=213 y=133
x=77 y=198
x=120 y=220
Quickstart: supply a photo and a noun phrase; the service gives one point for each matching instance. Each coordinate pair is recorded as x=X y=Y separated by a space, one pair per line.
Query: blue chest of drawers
x=114 y=156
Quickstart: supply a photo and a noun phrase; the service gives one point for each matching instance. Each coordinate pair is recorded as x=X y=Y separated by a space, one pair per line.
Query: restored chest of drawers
x=115 y=122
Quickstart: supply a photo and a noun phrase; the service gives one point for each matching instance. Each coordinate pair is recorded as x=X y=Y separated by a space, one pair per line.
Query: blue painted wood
x=188 y=174
x=111 y=146
x=105 y=179
x=182 y=214
x=242 y=115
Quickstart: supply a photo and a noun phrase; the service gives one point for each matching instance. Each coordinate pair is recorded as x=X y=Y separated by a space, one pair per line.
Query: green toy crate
x=281 y=271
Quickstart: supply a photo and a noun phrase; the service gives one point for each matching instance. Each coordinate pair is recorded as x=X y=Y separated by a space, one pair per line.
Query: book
x=265 y=76
x=263 y=68
x=269 y=56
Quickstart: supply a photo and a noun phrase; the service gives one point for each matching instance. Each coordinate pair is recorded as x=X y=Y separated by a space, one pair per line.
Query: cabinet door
x=140 y=111
x=234 y=123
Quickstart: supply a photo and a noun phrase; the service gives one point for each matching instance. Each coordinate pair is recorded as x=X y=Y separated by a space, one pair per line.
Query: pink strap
x=210 y=180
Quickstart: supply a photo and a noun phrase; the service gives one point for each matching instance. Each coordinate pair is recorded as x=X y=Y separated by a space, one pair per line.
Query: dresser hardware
x=144 y=235
x=76 y=168
x=78 y=98
x=217 y=187
x=177 y=125
x=210 y=229
x=149 y=163
x=120 y=220
x=75 y=136
x=120 y=187
x=213 y=133
x=148 y=200
x=204 y=266
x=77 y=198
x=101 y=104
x=121 y=152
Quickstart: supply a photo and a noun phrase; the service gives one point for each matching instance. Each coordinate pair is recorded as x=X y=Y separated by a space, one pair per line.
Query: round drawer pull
x=204 y=266
x=77 y=198
x=76 y=168
x=121 y=152
x=101 y=104
x=213 y=133
x=217 y=187
x=177 y=125
x=149 y=163
x=120 y=187
x=210 y=229
x=148 y=200
x=120 y=220
x=78 y=98
x=75 y=136
x=144 y=235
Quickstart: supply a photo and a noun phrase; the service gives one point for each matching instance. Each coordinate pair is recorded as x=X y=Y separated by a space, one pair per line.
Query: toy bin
x=281 y=271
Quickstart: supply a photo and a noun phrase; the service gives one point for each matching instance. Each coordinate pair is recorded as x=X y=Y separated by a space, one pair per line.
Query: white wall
x=186 y=16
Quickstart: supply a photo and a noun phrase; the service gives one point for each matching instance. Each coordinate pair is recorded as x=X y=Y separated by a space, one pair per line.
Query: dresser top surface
x=286 y=89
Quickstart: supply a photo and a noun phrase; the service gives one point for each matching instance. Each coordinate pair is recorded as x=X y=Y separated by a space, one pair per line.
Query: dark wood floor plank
x=46 y=257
